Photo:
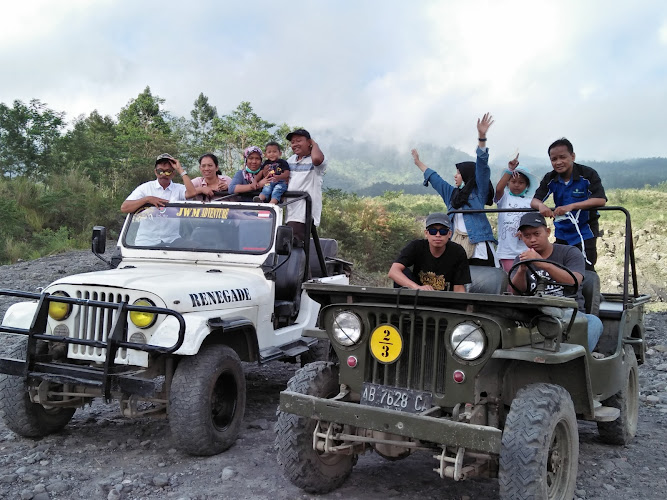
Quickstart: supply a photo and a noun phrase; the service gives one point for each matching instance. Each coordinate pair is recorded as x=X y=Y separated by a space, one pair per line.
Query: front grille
x=421 y=365
x=94 y=323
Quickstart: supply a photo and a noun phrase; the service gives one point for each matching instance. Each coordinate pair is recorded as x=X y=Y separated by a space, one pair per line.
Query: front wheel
x=310 y=470
x=624 y=428
x=540 y=445
x=19 y=413
x=207 y=401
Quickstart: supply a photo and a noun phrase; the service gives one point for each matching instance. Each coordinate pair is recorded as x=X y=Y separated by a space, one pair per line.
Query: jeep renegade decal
x=206 y=212
x=219 y=297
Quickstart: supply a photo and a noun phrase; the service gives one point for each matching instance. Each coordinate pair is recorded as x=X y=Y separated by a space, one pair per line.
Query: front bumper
x=436 y=430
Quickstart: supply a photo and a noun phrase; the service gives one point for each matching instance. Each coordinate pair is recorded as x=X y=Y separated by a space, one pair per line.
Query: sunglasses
x=165 y=172
x=433 y=231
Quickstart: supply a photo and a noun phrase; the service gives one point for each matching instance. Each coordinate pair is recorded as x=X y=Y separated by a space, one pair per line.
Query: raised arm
x=316 y=153
x=483 y=125
x=505 y=178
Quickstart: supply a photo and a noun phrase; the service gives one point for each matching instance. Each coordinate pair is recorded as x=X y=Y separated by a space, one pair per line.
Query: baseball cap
x=438 y=218
x=532 y=219
x=298 y=131
x=164 y=156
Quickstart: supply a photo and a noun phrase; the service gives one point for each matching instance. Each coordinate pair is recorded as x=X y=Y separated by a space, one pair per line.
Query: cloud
x=406 y=72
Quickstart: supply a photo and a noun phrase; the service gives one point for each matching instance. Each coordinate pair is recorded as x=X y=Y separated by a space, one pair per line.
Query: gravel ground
x=100 y=454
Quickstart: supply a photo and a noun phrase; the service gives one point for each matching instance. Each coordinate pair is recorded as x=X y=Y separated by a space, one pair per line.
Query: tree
x=143 y=133
x=28 y=135
x=238 y=130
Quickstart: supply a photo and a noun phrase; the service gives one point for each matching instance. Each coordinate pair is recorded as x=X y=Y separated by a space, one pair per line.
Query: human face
x=517 y=184
x=562 y=160
x=253 y=161
x=272 y=153
x=536 y=238
x=457 y=178
x=437 y=240
x=300 y=145
x=164 y=171
x=207 y=168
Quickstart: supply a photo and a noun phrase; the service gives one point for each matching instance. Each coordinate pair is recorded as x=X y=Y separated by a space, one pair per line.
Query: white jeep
x=200 y=288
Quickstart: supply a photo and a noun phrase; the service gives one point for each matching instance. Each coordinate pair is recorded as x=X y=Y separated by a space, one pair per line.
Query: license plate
x=393 y=398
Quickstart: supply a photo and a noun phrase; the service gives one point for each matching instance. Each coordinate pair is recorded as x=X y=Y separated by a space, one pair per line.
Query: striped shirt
x=306 y=177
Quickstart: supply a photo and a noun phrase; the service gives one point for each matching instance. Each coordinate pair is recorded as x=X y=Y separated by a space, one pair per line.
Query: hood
x=182 y=288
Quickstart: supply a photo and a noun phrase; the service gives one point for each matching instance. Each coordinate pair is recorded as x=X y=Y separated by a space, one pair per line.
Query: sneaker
x=597 y=355
x=257 y=199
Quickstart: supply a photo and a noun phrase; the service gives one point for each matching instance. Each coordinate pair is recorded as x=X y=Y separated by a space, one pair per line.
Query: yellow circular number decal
x=386 y=343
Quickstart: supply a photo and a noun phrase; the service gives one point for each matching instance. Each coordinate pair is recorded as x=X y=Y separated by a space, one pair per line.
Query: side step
x=606 y=414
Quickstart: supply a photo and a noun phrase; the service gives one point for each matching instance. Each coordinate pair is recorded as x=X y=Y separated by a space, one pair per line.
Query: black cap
x=532 y=219
x=438 y=218
x=299 y=131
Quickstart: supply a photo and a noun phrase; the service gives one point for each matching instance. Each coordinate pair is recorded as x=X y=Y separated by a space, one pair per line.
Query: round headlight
x=59 y=310
x=143 y=319
x=468 y=341
x=346 y=328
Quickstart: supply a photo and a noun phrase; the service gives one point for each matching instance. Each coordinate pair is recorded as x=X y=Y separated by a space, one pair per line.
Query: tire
x=207 y=401
x=306 y=468
x=624 y=428
x=318 y=352
x=21 y=415
x=540 y=445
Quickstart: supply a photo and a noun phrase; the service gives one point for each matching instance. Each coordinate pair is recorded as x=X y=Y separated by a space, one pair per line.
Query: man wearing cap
x=307 y=167
x=158 y=193
x=535 y=234
x=437 y=263
x=162 y=190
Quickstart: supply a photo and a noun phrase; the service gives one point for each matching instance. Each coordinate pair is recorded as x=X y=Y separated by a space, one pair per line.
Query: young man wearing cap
x=307 y=167
x=535 y=234
x=437 y=263
x=162 y=190
x=577 y=191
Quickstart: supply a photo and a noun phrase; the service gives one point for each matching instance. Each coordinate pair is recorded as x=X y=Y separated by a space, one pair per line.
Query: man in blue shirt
x=577 y=191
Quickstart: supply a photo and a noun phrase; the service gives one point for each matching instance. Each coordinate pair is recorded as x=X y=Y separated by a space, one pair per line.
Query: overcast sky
x=397 y=71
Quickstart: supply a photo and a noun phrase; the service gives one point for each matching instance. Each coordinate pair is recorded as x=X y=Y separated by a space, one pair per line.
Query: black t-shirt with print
x=278 y=167
x=443 y=272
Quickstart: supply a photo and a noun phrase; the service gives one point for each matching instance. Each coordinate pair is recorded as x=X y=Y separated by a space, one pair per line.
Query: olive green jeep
x=490 y=383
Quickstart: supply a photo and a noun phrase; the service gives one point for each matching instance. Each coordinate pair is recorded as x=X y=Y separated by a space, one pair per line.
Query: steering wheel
x=540 y=281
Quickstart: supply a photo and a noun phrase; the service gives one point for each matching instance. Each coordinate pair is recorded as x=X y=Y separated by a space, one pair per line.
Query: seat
x=591 y=291
x=329 y=251
x=289 y=277
x=205 y=237
x=486 y=279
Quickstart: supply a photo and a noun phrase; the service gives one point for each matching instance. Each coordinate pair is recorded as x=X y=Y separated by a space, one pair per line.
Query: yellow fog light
x=143 y=319
x=59 y=310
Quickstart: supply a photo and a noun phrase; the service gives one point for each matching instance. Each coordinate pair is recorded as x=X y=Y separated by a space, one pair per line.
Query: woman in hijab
x=472 y=190
x=244 y=180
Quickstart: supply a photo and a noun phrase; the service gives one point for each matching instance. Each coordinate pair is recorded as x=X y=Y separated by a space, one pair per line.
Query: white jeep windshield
x=236 y=229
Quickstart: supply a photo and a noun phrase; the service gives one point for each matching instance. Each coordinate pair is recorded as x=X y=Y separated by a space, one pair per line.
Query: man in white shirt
x=158 y=193
x=307 y=168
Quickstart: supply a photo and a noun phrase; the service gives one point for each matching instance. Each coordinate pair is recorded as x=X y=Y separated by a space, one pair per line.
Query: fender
x=197 y=329
x=20 y=315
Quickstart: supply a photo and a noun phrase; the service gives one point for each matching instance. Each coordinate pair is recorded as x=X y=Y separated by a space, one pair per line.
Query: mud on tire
x=306 y=468
x=21 y=415
x=540 y=445
x=624 y=428
x=207 y=401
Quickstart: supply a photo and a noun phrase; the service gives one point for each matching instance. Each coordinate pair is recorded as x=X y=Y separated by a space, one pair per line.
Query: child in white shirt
x=514 y=190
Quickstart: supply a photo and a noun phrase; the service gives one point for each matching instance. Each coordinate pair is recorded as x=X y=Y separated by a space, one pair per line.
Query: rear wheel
x=207 y=401
x=540 y=445
x=624 y=428
x=21 y=415
x=311 y=470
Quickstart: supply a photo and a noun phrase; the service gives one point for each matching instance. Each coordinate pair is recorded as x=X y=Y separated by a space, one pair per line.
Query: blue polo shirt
x=584 y=184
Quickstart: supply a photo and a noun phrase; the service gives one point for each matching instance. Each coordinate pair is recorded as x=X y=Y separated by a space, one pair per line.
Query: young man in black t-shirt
x=437 y=263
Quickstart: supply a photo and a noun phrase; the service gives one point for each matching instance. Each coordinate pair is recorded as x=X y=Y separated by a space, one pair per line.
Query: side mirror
x=99 y=240
x=284 y=237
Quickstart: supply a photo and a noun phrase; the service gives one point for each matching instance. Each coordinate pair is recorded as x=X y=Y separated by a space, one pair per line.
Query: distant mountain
x=369 y=169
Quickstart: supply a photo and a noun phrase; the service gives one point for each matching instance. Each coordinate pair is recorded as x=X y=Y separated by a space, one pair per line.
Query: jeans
x=274 y=190
x=594 y=330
